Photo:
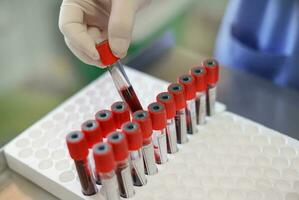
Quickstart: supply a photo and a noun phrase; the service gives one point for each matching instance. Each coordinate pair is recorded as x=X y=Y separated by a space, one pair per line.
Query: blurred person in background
x=262 y=37
x=257 y=36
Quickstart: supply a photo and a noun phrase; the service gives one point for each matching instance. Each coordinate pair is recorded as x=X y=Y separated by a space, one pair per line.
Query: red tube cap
x=103 y=158
x=200 y=75
x=189 y=85
x=121 y=113
x=133 y=134
x=77 y=145
x=212 y=68
x=92 y=132
x=119 y=145
x=143 y=119
x=106 y=121
x=105 y=53
x=177 y=90
x=167 y=100
x=158 y=115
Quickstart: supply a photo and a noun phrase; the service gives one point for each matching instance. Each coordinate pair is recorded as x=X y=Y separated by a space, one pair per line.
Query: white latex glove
x=87 y=22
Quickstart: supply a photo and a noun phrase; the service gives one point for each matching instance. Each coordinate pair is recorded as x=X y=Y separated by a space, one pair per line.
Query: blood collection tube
x=78 y=150
x=212 y=68
x=92 y=132
x=134 y=138
x=167 y=100
x=177 y=90
x=199 y=75
x=123 y=170
x=105 y=168
x=189 y=89
x=106 y=121
x=158 y=117
x=143 y=119
x=119 y=76
x=121 y=113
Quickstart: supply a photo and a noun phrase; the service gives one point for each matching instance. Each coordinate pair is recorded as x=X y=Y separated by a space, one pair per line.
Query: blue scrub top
x=262 y=37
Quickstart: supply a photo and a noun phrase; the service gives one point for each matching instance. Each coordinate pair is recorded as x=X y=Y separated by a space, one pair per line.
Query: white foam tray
x=231 y=157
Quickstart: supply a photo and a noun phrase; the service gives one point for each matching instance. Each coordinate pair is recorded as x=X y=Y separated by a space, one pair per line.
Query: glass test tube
x=158 y=117
x=199 y=75
x=189 y=89
x=120 y=79
x=177 y=90
x=212 y=68
x=93 y=134
x=143 y=119
x=135 y=140
x=105 y=168
x=78 y=150
x=167 y=100
x=123 y=170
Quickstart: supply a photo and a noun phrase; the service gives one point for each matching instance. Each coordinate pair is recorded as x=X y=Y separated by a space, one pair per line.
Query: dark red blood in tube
x=131 y=98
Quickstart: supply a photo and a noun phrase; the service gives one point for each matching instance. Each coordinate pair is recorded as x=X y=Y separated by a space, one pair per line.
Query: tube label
x=160 y=146
x=149 y=159
x=211 y=100
x=171 y=136
x=110 y=188
x=138 y=170
x=128 y=182
x=181 y=126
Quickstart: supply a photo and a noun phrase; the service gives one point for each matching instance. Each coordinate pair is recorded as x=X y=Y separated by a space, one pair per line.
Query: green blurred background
x=38 y=72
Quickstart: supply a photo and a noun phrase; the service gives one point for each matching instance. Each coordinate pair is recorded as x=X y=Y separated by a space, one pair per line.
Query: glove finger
x=120 y=26
x=72 y=26
x=96 y=34
x=82 y=56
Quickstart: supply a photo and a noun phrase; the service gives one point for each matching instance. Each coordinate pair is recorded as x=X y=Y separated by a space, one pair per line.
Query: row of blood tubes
x=120 y=146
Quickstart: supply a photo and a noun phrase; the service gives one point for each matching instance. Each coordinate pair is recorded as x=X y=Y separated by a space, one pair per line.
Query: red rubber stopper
x=133 y=134
x=143 y=119
x=158 y=115
x=103 y=158
x=200 y=75
x=212 y=67
x=189 y=85
x=77 y=145
x=106 y=121
x=177 y=90
x=119 y=145
x=105 y=53
x=167 y=100
x=92 y=132
x=121 y=113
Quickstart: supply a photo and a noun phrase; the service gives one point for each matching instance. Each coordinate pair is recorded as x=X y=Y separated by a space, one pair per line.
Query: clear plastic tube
x=201 y=109
x=86 y=177
x=109 y=185
x=124 y=86
x=211 y=99
x=171 y=136
x=191 y=117
x=181 y=126
x=138 y=173
x=160 y=146
x=124 y=178
x=150 y=166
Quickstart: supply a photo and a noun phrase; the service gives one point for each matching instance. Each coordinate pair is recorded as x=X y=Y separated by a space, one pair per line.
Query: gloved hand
x=87 y=22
